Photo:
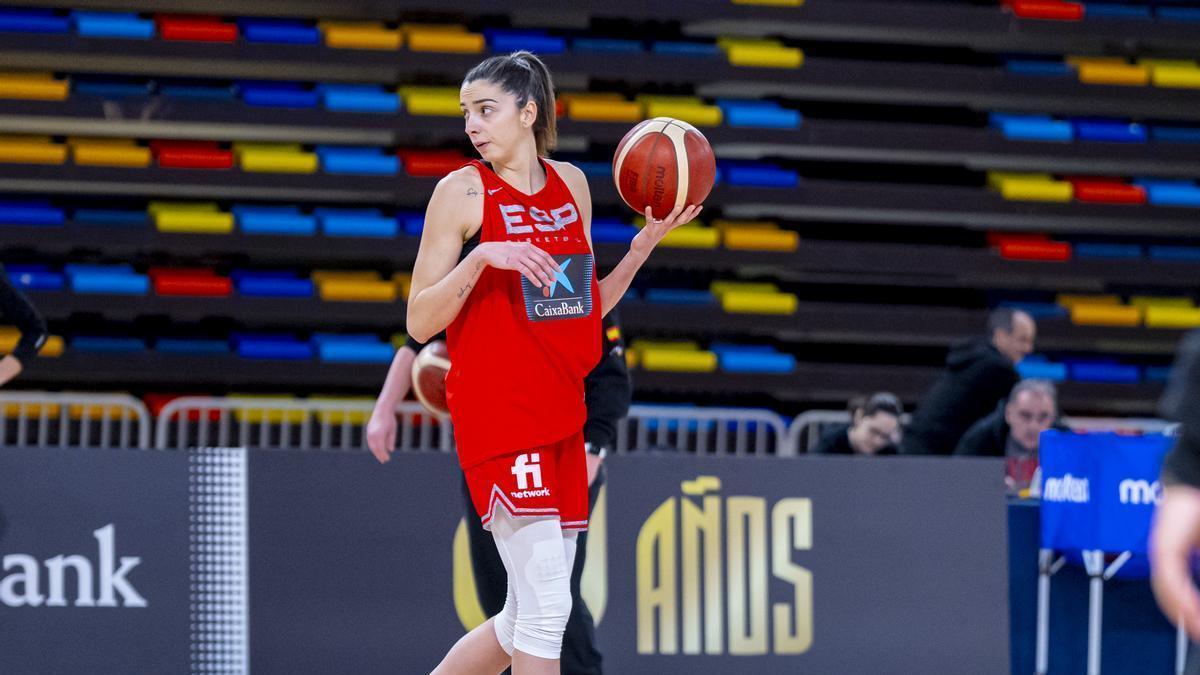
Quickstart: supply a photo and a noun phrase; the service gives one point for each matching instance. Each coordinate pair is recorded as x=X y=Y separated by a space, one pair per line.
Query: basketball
x=429 y=377
x=663 y=163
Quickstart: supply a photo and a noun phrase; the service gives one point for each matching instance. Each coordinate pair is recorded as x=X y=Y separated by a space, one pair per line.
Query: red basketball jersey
x=519 y=353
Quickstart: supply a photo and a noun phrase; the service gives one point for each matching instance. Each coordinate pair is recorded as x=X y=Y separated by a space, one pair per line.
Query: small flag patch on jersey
x=613 y=333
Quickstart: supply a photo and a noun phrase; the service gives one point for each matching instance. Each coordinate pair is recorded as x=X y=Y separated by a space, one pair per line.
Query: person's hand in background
x=1173 y=539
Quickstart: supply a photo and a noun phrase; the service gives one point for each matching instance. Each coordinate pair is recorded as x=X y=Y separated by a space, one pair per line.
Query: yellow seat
x=1180 y=77
x=1105 y=315
x=33 y=87
x=761 y=239
x=358 y=290
x=197 y=222
x=445 y=40
x=278 y=161
x=753 y=56
x=31 y=150
x=692 y=237
x=605 y=110
x=431 y=101
x=997 y=178
x=738 y=302
x=678 y=361
x=360 y=35
x=1172 y=317
x=1114 y=74
x=403 y=281
x=117 y=152
x=696 y=114
x=1032 y=187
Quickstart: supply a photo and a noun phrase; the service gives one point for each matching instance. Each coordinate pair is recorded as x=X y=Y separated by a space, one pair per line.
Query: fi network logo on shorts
x=569 y=296
x=527 y=467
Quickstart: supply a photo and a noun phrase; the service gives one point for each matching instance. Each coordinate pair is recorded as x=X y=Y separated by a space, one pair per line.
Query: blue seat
x=684 y=48
x=358 y=98
x=30 y=213
x=1175 y=253
x=364 y=161
x=109 y=217
x=1176 y=134
x=612 y=232
x=277 y=95
x=1110 y=131
x=1191 y=14
x=760 y=114
x=111 y=87
x=595 y=169
x=679 y=296
x=107 y=279
x=1111 y=373
x=192 y=346
x=760 y=175
x=610 y=45
x=1157 y=373
x=1043 y=370
x=1173 y=195
x=1033 y=128
x=125 y=25
x=1098 y=10
x=202 y=92
x=33 y=21
x=354 y=351
x=1106 y=250
x=107 y=344
x=414 y=223
x=275 y=287
x=1040 y=68
x=36 y=277
x=286 y=348
x=506 y=40
x=278 y=220
x=357 y=223
x=279 y=31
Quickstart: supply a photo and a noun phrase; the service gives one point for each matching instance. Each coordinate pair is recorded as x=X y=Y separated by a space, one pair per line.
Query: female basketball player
x=505 y=266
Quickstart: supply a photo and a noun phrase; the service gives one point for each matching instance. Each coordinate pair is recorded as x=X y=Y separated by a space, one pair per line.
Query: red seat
x=436 y=163
x=1025 y=249
x=1108 y=192
x=195 y=28
x=1047 y=9
x=190 y=282
x=191 y=155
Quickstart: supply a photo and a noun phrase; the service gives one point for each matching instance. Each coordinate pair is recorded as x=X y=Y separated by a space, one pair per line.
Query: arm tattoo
x=475 y=272
x=472 y=192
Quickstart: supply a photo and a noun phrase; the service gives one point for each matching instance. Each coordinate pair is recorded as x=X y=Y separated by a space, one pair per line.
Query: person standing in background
x=979 y=374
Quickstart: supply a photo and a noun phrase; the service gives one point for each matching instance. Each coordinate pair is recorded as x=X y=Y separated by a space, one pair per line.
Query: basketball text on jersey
x=569 y=296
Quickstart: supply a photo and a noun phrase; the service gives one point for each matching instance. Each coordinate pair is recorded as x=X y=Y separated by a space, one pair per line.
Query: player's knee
x=540 y=624
x=505 y=624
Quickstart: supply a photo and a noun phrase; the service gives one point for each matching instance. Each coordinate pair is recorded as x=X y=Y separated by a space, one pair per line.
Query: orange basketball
x=429 y=377
x=663 y=163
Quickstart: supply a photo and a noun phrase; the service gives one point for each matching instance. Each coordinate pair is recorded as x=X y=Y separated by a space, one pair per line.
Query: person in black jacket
x=1013 y=431
x=978 y=375
x=16 y=308
x=607 y=393
x=1175 y=536
x=874 y=428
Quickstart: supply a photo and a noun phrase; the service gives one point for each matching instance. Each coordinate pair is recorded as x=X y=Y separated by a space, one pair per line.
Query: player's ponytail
x=523 y=75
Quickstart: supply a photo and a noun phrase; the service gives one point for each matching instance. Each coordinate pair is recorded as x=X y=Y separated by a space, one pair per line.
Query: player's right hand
x=1173 y=539
x=381 y=434
x=532 y=262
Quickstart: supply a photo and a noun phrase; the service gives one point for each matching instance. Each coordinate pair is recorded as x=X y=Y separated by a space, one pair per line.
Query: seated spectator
x=874 y=430
x=978 y=375
x=1014 y=430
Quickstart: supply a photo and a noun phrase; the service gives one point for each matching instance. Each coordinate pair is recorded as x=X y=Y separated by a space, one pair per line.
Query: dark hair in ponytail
x=523 y=75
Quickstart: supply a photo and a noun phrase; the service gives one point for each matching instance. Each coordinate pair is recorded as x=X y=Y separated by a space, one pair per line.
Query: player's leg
x=534 y=553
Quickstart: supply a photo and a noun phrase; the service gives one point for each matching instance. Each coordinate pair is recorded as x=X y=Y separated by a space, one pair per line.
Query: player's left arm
x=614 y=285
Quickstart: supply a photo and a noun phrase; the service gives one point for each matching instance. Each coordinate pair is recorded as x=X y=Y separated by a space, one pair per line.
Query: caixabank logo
x=569 y=296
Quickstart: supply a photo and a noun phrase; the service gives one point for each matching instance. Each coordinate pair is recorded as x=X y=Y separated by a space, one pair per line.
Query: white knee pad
x=539 y=581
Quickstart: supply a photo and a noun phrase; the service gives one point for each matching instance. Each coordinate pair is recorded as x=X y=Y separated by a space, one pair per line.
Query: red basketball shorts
x=550 y=480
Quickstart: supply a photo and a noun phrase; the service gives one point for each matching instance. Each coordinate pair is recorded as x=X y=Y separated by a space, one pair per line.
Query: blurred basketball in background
x=429 y=371
x=662 y=163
